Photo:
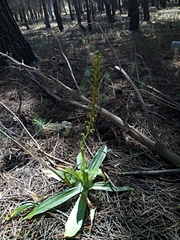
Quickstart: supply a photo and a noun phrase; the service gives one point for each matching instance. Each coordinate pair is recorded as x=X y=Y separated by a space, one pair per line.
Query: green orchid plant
x=83 y=179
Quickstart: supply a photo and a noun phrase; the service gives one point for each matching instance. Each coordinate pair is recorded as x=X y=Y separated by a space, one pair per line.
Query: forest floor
x=151 y=211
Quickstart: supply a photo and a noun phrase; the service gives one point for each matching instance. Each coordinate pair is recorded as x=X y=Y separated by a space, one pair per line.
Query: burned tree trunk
x=58 y=16
x=78 y=15
x=108 y=11
x=88 y=15
x=46 y=16
x=134 y=15
x=70 y=10
x=163 y=3
x=11 y=38
x=146 y=10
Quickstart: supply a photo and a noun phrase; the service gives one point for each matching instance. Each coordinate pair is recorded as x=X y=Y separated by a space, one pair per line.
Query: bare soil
x=151 y=211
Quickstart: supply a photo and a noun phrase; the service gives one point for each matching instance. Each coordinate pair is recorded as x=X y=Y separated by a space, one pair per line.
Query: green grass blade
x=54 y=201
x=107 y=186
x=20 y=209
x=76 y=218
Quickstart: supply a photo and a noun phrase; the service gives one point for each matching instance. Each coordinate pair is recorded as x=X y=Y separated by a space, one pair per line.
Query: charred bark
x=11 y=38
x=146 y=10
x=25 y=18
x=78 y=15
x=108 y=11
x=163 y=3
x=134 y=15
x=70 y=10
x=46 y=16
x=88 y=15
x=58 y=16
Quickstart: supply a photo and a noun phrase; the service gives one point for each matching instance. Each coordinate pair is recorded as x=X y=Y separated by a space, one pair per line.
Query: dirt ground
x=151 y=211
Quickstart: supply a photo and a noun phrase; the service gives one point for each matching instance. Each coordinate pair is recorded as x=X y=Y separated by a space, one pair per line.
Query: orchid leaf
x=94 y=172
x=98 y=158
x=76 y=218
x=79 y=161
x=107 y=186
x=92 y=215
x=20 y=209
x=76 y=174
x=51 y=174
x=54 y=201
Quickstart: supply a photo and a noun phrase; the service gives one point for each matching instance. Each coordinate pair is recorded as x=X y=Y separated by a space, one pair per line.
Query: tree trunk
x=134 y=15
x=29 y=8
x=35 y=13
x=93 y=10
x=125 y=4
x=64 y=7
x=157 y=4
x=108 y=10
x=163 y=3
x=58 y=16
x=46 y=16
x=78 y=15
x=152 y=3
x=40 y=9
x=50 y=12
x=119 y=5
x=146 y=10
x=15 y=16
x=88 y=15
x=11 y=38
x=70 y=10
x=113 y=6
x=20 y=15
x=100 y=6
x=24 y=17
x=80 y=6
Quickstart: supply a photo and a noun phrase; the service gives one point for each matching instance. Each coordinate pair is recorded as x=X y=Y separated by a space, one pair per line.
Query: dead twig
x=42 y=162
x=146 y=113
x=151 y=173
x=69 y=66
x=31 y=137
x=16 y=117
x=163 y=97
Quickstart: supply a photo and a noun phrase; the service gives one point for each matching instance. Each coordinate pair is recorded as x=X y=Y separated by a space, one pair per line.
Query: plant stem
x=95 y=80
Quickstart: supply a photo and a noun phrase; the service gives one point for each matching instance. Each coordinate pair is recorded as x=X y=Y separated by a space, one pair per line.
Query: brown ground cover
x=151 y=211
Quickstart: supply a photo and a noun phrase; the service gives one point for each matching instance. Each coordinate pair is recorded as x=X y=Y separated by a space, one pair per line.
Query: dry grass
x=148 y=213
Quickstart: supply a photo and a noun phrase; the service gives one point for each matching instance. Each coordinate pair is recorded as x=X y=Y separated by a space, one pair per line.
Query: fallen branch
x=151 y=173
x=163 y=98
x=146 y=113
x=156 y=146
